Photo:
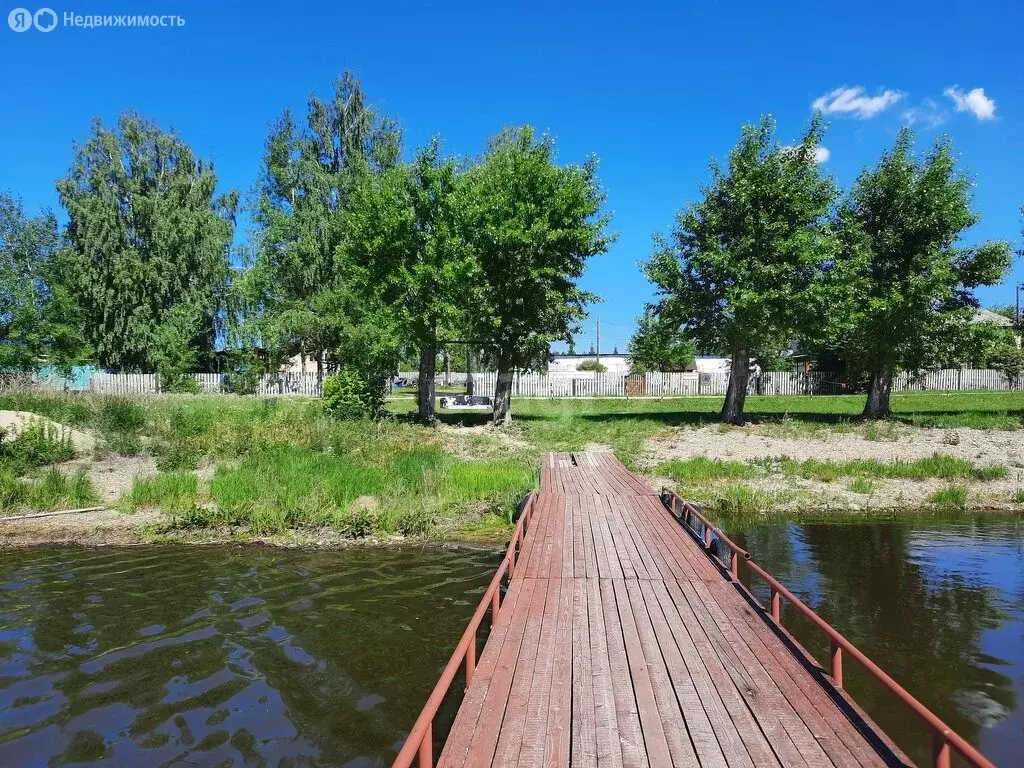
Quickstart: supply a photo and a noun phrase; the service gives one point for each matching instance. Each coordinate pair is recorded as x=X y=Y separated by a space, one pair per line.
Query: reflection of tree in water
x=232 y=654
x=925 y=632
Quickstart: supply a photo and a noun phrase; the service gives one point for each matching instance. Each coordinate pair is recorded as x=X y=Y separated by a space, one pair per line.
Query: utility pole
x=597 y=346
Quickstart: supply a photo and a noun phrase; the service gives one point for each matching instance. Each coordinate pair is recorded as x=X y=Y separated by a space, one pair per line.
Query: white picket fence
x=584 y=384
x=147 y=384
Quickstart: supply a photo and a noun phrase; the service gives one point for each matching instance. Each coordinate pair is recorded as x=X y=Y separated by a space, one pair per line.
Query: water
x=244 y=656
x=938 y=605
x=224 y=656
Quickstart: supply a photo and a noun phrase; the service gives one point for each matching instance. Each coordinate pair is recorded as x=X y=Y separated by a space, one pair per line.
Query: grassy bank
x=273 y=465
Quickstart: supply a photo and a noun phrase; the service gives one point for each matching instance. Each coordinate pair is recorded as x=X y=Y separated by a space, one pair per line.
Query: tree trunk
x=878 y=393
x=425 y=384
x=447 y=368
x=503 y=397
x=736 y=394
x=469 y=371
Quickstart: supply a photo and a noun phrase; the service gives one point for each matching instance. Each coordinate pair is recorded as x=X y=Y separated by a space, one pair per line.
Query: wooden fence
x=579 y=385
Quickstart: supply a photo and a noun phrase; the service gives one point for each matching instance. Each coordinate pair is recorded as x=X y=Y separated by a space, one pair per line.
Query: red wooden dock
x=620 y=642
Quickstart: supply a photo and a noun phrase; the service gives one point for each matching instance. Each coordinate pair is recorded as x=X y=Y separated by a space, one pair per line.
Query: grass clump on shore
x=952 y=496
x=51 y=490
x=173 y=492
x=937 y=465
x=862 y=485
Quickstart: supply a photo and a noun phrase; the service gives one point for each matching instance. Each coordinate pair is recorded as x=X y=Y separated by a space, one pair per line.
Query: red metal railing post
x=776 y=606
x=426 y=753
x=707 y=536
x=495 y=607
x=940 y=750
x=734 y=565
x=837 y=664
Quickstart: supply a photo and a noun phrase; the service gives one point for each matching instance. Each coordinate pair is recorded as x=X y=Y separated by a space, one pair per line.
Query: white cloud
x=856 y=101
x=974 y=101
x=821 y=154
x=927 y=113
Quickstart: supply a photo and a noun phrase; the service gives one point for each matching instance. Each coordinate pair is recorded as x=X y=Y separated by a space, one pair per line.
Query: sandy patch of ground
x=789 y=492
x=113 y=474
x=14 y=422
x=84 y=528
x=483 y=441
x=982 y=446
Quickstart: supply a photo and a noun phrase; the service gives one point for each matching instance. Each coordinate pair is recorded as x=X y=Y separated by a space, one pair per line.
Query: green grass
x=283 y=462
x=946 y=467
x=862 y=485
x=953 y=496
x=738 y=501
x=37 y=445
x=173 y=492
x=51 y=490
x=701 y=469
x=407 y=493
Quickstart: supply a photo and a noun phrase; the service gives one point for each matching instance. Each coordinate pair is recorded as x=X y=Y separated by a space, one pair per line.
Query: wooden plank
x=584 y=719
x=606 y=724
x=770 y=708
x=631 y=738
x=579 y=557
x=484 y=705
x=508 y=728
x=720 y=697
x=531 y=751
x=559 y=724
x=764 y=642
x=640 y=665
x=698 y=701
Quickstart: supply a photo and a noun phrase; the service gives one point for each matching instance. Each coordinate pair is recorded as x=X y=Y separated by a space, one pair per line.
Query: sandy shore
x=984 y=448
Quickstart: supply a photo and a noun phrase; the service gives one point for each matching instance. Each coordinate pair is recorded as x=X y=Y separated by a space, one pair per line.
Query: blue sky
x=654 y=89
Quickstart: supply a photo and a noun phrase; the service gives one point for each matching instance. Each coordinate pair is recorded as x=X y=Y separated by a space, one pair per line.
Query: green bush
x=242 y=380
x=37 y=445
x=592 y=365
x=347 y=395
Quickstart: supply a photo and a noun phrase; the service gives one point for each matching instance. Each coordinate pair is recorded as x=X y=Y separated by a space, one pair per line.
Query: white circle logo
x=45 y=20
x=20 y=19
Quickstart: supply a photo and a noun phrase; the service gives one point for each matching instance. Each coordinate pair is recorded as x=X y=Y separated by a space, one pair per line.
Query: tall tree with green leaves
x=401 y=241
x=531 y=225
x=38 y=320
x=909 y=283
x=659 y=345
x=309 y=171
x=740 y=272
x=147 y=233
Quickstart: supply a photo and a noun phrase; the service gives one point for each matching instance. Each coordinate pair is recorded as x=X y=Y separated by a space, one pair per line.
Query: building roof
x=585 y=357
x=990 y=317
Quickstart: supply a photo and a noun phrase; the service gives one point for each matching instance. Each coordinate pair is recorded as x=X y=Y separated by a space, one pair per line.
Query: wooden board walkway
x=620 y=643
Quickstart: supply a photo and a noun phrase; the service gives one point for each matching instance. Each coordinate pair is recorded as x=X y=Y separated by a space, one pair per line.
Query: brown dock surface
x=620 y=643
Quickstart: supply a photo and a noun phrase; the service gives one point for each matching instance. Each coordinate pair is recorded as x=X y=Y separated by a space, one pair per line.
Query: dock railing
x=419 y=745
x=944 y=738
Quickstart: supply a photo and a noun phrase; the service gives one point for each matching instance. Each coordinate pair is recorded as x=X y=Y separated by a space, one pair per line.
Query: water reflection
x=224 y=656
x=939 y=605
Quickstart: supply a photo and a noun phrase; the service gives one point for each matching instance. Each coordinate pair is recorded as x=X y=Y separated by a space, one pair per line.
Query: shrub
x=347 y=395
x=242 y=375
x=37 y=445
x=592 y=365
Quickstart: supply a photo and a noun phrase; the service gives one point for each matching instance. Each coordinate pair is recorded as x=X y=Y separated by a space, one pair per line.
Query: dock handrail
x=944 y=738
x=419 y=745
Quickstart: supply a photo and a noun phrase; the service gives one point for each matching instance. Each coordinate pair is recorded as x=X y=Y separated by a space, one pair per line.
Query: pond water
x=246 y=656
x=224 y=656
x=939 y=605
